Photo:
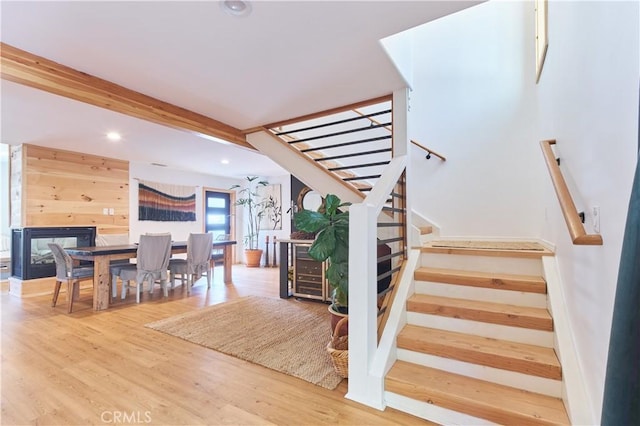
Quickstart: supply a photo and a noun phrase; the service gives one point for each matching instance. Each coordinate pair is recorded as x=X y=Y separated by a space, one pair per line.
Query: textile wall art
x=272 y=199
x=166 y=202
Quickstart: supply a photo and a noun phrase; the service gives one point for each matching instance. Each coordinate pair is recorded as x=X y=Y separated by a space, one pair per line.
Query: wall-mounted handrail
x=375 y=122
x=429 y=151
x=576 y=229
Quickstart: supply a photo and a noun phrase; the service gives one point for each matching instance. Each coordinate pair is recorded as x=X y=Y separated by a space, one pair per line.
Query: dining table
x=101 y=256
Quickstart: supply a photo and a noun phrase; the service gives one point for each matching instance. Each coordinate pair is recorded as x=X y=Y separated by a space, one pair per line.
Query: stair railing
x=380 y=219
x=571 y=216
x=391 y=249
x=429 y=151
x=345 y=143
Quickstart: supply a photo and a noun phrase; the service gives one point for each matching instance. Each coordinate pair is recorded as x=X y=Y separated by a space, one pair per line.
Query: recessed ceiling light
x=224 y=161
x=114 y=136
x=236 y=7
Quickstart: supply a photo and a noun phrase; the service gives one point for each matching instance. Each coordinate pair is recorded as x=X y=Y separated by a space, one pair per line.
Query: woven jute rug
x=495 y=245
x=288 y=336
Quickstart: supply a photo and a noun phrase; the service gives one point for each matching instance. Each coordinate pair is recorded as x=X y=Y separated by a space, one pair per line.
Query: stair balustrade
x=380 y=220
x=369 y=158
x=428 y=150
x=348 y=142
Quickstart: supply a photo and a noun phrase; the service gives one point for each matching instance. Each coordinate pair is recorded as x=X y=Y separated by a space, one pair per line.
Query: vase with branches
x=249 y=198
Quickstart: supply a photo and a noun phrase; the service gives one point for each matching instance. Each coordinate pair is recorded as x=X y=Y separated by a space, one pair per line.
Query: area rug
x=493 y=245
x=288 y=336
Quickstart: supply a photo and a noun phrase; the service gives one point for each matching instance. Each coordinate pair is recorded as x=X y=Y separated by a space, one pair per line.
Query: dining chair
x=152 y=263
x=197 y=262
x=217 y=254
x=65 y=271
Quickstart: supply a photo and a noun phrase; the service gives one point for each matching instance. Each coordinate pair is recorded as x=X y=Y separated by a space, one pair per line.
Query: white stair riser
x=490 y=374
x=431 y=412
x=424 y=238
x=507 y=265
x=509 y=297
x=494 y=331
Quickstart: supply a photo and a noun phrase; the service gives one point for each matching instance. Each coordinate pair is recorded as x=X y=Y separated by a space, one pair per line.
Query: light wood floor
x=107 y=368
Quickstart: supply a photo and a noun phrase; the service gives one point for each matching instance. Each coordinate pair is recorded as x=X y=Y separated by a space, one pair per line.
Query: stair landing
x=487 y=248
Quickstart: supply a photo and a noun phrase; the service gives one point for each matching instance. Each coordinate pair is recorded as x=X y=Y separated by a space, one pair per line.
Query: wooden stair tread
x=519 y=357
x=495 y=313
x=500 y=281
x=432 y=247
x=497 y=403
x=425 y=230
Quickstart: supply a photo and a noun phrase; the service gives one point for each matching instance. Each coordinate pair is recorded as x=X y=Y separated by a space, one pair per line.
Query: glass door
x=218 y=213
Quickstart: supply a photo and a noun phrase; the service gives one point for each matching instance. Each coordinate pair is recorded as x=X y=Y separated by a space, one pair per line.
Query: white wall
x=180 y=230
x=588 y=102
x=473 y=101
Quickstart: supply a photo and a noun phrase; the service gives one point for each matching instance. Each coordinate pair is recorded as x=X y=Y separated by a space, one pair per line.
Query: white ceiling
x=284 y=60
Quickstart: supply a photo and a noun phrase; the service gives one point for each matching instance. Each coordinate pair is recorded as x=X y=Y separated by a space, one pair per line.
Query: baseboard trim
x=574 y=388
x=37 y=287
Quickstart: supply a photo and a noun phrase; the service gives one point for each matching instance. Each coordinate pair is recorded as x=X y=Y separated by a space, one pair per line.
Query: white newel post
x=363 y=387
x=400 y=122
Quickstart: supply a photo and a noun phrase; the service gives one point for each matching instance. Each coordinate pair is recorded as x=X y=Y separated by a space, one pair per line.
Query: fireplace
x=30 y=254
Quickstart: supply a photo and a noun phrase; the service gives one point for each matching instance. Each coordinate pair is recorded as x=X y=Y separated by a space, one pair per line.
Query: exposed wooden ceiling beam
x=30 y=70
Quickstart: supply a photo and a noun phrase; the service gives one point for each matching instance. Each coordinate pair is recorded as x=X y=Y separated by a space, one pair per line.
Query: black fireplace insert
x=30 y=254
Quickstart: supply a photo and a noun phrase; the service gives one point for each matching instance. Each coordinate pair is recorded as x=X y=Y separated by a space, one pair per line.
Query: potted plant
x=249 y=199
x=331 y=226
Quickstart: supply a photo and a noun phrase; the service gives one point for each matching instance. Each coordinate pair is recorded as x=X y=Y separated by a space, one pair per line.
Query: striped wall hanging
x=166 y=202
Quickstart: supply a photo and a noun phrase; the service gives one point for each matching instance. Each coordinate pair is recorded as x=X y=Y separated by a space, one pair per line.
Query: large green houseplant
x=249 y=198
x=331 y=226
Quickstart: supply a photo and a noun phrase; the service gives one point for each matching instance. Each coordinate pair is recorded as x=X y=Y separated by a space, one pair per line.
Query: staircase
x=478 y=346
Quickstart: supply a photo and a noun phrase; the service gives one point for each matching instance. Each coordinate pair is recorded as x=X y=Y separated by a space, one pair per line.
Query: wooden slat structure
x=52 y=187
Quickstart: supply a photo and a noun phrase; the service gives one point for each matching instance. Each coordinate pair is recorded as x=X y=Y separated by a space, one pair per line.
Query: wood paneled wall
x=51 y=187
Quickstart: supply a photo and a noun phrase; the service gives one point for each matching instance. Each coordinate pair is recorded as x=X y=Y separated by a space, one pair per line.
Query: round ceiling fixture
x=236 y=7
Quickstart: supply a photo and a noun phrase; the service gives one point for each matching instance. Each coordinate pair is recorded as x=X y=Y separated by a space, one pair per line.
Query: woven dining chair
x=197 y=262
x=152 y=263
x=66 y=272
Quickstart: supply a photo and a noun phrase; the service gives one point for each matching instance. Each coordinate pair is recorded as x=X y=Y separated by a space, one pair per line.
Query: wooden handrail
x=412 y=141
x=576 y=229
x=430 y=151
x=321 y=113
